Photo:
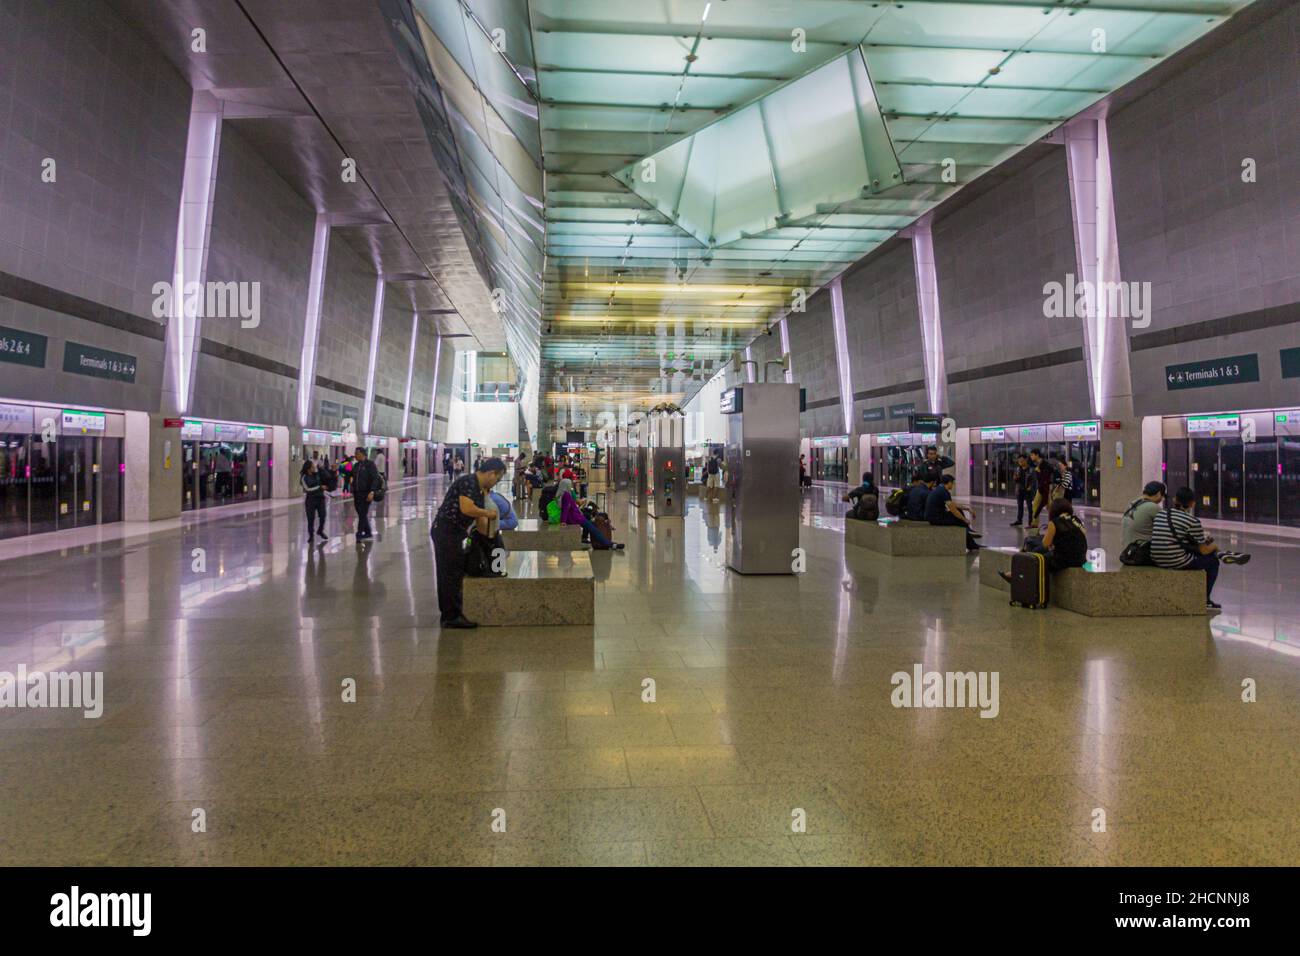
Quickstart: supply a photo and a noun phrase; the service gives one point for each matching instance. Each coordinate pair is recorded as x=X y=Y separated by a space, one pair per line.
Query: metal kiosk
x=762 y=476
x=665 y=462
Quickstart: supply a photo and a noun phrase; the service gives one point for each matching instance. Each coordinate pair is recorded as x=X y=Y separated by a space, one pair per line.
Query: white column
x=927 y=298
x=410 y=372
x=184 y=304
x=376 y=326
x=842 y=354
x=1096 y=250
x=433 y=396
x=311 y=324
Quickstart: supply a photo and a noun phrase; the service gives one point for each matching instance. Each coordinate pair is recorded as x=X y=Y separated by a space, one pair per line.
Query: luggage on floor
x=601 y=521
x=1030 y=581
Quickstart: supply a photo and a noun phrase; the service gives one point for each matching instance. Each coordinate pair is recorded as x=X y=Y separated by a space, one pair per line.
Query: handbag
x=1138 y=553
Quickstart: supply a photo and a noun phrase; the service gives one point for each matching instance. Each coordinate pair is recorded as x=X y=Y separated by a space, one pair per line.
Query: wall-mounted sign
x=1290 y=363
x=17 y=419
x=925 y=422
x=1113 y=426
x=1033 y=433
x=874 y=414
x=173 y=423
x=315 y=438
x=192 y=430
x=256 y=432
x=98 y=363
x=224 y=431
x=993 y=434
x=78 y=421
x=1281 y=418
x=832 y=441
x=731 y=401
x=1224 y=371
x=902 y=411
x=1213 y=424
x=1081 y=431
x=22 y=348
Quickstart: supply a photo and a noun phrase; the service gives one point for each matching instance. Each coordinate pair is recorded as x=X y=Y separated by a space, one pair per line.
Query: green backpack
x=553 y=512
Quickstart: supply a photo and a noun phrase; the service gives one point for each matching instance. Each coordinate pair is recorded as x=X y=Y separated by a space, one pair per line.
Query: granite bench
x=534 y=534
x=906 y=539
x=541 y=589
x=1126 y=592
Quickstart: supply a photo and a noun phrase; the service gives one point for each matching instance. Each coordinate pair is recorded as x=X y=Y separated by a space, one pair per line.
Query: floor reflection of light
x=1096 y=703
x=843 y=610
x=1277 y=641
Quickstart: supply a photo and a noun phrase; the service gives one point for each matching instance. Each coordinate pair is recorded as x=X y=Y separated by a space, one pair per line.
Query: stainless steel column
x=762 y=476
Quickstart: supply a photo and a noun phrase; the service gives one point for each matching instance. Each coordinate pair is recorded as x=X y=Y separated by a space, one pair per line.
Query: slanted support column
x=927 y=299
x=311 y=323
x=376 y=327
x=1104 y=308
x=433 y=396
x=410 y=372
x=185 y=299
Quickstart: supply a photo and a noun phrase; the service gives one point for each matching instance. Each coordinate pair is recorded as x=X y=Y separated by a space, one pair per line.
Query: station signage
x=1280 y=418
x=833 y=441
x=1213 y=424
x=1033 y=433
x=78 y=421
x=192 y=430
x=1081 y=431
x=22 y=348
x=1222 y=371
x=925 y=423
x=98 y=363
x=732 y=401
x=902 y=411
x=256 y=432
x=874 y=414
x=16 y=419
x=224 y=431
x=993 y=434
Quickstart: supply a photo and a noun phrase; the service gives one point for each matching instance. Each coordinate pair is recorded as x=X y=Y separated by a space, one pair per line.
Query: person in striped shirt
x=1179 y=542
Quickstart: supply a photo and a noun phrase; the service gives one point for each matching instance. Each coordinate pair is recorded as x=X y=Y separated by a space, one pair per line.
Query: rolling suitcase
x=1029 y=579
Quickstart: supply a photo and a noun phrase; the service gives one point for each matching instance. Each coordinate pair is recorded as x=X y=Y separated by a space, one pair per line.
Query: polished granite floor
x=224 y=694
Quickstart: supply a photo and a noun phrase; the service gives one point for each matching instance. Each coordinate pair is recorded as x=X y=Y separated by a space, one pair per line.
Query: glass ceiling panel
x=817 y=140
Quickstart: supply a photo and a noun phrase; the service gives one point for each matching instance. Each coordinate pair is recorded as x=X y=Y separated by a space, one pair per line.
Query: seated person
x=1065 y=543
x=940 y=509
x=571 y=513
x=865 y=498
x=916 y=497
x=1178 y=542
x=1138 y=521
x=506 y=518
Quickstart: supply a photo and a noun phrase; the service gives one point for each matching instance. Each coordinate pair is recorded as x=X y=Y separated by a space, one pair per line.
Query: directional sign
x=1222 y=371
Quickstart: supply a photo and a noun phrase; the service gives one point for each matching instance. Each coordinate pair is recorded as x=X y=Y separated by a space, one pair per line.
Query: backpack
x=866 y=509
x=1138 y=553
x=601 y=521
x=381 y=485
x=894 y=503
x=553 y=511
x=479 y=549
x=547 y=496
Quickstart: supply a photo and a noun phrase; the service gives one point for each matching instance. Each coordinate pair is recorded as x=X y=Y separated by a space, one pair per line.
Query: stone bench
x=541 y=589
x=1127 y=592
x=906 y=539
x=534 y=534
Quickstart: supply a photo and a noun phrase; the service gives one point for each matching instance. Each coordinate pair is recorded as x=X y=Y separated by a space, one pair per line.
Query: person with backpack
x=865 y=498
x=1063 y=545
x=367 y=488
x=1138 y=524
x=1043 y=484
x=1178 y=542
x=713 y=475
x=463 y=507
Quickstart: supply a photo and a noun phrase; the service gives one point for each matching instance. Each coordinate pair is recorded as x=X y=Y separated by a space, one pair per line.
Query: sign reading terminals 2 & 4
x=1223 y=371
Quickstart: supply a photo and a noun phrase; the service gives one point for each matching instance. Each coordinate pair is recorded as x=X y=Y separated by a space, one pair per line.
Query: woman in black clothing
x=1065 y=543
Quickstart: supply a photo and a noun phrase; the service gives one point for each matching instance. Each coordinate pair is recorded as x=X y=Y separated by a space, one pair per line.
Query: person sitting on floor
x=915 y=498
x=940 y=509
x=571 y=513
x=865 y=498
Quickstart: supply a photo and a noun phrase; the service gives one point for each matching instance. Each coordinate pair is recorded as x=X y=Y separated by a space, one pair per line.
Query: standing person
x=1042 y=484
x=1062 y=481
x=381 y=463
x=365 y=482
x=458 y=466
x=462 y=506
x=446 y=463
x=520 y=477
x=313 y=490
x=713 y=476
x=1025 y=483
x=345 y=468
x=804 y=480
x=934 y=464
x=1180 y=543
